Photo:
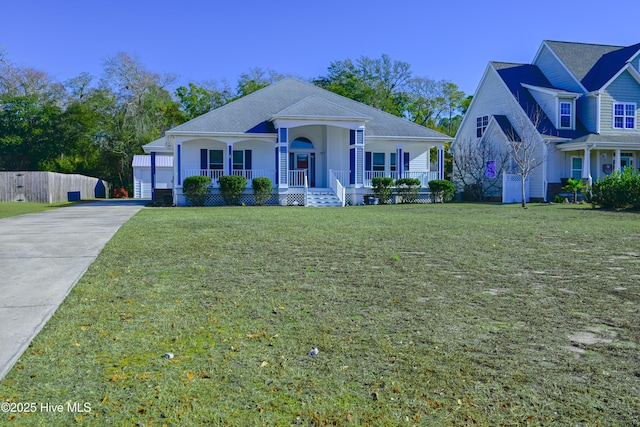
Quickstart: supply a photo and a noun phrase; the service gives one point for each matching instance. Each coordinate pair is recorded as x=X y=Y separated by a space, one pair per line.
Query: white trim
x=628 y=68
x=551 y=91
x=571 y=114
x=624 y=116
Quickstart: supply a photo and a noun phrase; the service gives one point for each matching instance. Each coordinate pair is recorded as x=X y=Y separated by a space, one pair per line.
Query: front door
x=625 y=162
x=306 y=162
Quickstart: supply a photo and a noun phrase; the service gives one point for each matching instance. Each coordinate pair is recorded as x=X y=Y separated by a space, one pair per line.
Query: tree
x=256 y=79
x=478 y=167
x=197 y=100
x=380 y=82
x=525 y=144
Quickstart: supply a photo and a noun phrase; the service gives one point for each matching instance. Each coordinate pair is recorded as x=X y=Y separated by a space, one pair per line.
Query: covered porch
x=593 y=161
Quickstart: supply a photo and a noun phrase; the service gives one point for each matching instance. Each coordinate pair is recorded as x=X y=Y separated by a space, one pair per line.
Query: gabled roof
x=592 y=64
x=514 y=76
x=254 y=113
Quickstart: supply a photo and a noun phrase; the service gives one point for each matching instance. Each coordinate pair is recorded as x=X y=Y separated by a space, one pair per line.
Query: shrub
x=120 y=193
x=382 y=188
x=195 y=189
x=620 y=190
x=262 y=188
x=441 y=190
x=231 y=188
x=408 y=189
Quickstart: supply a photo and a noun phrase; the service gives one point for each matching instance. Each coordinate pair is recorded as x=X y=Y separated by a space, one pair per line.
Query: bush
x=382 y=188
x=408 y=189
x=262 y=189
x=620 y=190
x=231 y=188
x=441 y=190
x=120 y=193
x=195 y=189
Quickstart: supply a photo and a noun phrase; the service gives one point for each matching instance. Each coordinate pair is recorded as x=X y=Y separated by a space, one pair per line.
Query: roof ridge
x=586 y=44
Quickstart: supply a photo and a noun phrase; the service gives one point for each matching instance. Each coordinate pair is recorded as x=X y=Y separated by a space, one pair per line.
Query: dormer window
x=565 y=115
x=624 y=116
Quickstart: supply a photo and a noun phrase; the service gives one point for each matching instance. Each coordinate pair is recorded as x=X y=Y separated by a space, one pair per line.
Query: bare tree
x=477 y=167
x=525 y=143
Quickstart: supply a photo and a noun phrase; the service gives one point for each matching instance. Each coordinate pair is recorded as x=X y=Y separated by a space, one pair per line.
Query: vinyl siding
x=555 y=71
x=624 y=89
x=548 y=104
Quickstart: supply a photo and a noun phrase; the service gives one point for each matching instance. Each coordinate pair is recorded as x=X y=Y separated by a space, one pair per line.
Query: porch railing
x=336 y=185
x=214 y=174
x=297 y=177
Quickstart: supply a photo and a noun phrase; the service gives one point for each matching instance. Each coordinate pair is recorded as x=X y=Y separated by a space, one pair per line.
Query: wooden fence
x=49 y=187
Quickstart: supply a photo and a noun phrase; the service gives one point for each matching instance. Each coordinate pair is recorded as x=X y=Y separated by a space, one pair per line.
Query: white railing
x=342 y=176
x=214 y=174
x=297 y=177
x=336 y=186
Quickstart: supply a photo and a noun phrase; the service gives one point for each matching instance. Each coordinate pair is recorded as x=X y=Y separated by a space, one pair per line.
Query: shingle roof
x=592 y=64
x=253 y=113
x=314 y=106
x=514 y=75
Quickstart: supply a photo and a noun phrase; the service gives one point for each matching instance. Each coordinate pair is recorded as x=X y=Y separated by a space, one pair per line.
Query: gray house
x=310 y=142
x=577 y=101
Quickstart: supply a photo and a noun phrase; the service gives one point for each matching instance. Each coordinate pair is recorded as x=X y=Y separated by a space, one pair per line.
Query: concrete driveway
x=42 y=256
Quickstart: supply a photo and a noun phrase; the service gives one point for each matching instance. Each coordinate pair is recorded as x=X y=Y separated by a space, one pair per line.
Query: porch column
x=153 y=176
x=399 y=162
x=441 y=162
x=282 y=158
x=229 y=159
x=586 y=166
x=616 y=161
x=598 y=164
x=356 y=157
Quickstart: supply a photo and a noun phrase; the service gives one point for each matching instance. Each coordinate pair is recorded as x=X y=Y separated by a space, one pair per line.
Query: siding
x=548 y=104
x=624 y=89
x=555 y=71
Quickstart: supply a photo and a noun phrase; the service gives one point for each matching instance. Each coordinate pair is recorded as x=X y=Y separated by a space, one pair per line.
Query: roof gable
x=316 y=107
x=592 y=64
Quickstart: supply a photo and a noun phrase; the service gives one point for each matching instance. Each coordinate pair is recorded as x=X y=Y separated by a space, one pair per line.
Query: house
x=142 y=174
x=576 y=101
x=311 y=143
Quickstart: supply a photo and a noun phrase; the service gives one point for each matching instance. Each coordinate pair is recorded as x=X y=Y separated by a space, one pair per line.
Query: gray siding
x=587 y=110
x=624 y=89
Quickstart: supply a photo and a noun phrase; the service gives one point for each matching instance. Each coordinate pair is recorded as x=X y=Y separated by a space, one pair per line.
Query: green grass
x=8 y=209
x=455 y=314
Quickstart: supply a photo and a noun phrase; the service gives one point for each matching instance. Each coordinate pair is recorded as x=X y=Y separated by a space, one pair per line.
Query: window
x=481 y=125
x=378 y=162
x=565 y=114
x=393 y=165
x=407 y=160
x=576 y=167
x=216 y=159
x=624 y=116
x=301 y=143
x=241 y=159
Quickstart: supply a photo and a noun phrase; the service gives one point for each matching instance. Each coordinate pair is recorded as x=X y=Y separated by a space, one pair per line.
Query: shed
x=142 y=174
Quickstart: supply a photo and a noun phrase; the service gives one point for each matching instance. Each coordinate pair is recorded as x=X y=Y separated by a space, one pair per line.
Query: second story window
x=624 y=116
x=481 y=125
x=565 y=114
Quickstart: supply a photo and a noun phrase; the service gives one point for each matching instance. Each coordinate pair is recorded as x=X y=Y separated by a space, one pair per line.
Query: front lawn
x=460 y=314
x=8 y=209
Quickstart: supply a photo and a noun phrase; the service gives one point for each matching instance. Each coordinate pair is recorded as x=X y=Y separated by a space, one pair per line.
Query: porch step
x=322 y=198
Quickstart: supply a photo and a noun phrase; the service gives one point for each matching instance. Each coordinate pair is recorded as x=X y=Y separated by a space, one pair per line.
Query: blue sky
x=213 y=40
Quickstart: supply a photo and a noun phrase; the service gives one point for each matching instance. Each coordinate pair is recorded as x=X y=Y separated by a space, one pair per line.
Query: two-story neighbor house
x=577 y=101
x=307 y=140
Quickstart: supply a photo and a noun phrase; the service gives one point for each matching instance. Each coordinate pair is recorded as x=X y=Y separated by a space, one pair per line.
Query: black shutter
x=204 y=161
x=247 y=160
